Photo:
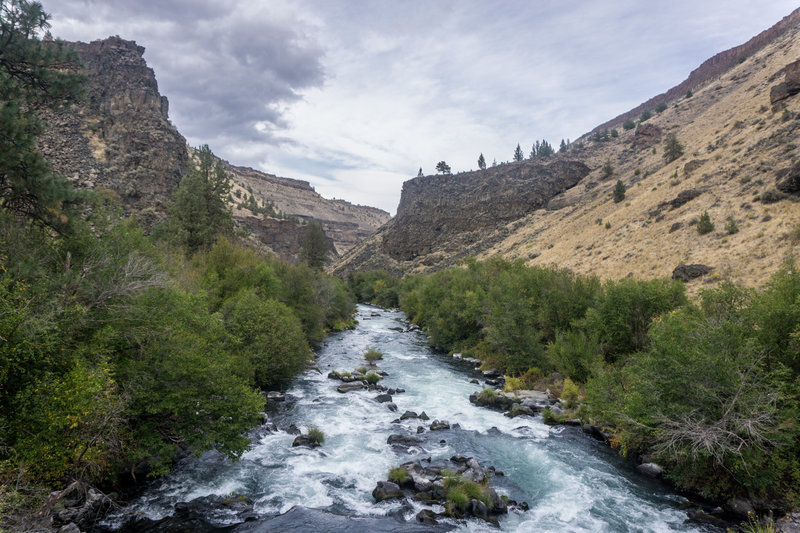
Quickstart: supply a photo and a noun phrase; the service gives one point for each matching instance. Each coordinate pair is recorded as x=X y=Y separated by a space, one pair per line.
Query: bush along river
x=515 y=473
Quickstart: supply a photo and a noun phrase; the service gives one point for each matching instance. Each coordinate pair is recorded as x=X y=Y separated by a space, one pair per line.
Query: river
x=570 y=481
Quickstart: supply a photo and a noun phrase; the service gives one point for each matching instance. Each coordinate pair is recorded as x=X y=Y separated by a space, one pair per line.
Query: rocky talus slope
x=740 y=164
x=120 y=142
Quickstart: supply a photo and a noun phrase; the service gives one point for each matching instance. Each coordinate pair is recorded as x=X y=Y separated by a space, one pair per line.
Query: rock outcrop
x=434 y=209
x=119 y=140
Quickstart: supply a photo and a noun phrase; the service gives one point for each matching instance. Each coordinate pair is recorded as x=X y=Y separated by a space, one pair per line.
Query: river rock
x=347 y=387
x=383 y=398
x=275 y=396
x=491 y=373
x=426 y=516
x=403 y=440
x=423 y=416
x=475 y=381
x=458 y=458
x=518 y=410
x=391 y=406
x=650 y=469
x=440 y=424
x=408 y=414
x=479 y=509
x=69 y=528
x=386 y=490
x=739 y=507
x=305 y=440
x=398 y=390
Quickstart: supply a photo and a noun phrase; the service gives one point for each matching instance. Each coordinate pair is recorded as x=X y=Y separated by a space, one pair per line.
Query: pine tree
x=314 y=249
x=534 y=151
x=420 y=174
x=481 y=162
x=34 y=75
x=442 y=167
x=198 y=210
x=518 y=156
x=563 y=146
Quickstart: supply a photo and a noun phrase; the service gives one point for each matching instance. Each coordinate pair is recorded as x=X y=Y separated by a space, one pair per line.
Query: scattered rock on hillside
x=646 y=135
x=687 y=273
x=789 y=87
x=789 y=180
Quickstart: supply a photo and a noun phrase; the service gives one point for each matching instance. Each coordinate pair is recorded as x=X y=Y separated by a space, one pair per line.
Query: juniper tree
x=518 y=155
x=314 y=249
x=442 y=167
x=619 y=192
x=672 y=148
x=481 y=162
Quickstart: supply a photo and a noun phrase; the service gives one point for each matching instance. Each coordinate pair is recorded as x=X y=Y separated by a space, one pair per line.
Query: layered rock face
x=344 y=223
x=120 y=138
x=435 y=208
x=119 y=141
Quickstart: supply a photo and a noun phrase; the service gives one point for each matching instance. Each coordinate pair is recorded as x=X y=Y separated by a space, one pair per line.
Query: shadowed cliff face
x=119 y=141
x=435 y=208
x=120 y=138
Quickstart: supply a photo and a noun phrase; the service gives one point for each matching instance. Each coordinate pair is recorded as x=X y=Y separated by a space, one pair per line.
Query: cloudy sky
x=355 y=96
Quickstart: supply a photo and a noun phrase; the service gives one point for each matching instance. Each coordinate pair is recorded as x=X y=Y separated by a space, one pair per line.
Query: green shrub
x=731 y=226
x=372 y=378
x=704 y=224
x=398 y=475
x=661 y=107
x=619 y=192
x=487 y=395
x=646 y=114
x=460 y=491
x=372 y=355
x=608 y=169
x=628 y=124
x=673 y=149
x=570 y=393
x=316 y=434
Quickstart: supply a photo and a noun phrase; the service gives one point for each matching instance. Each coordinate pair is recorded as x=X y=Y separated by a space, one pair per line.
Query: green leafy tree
x=628 y=125
x=199 y=211
x=314 y=248
x=442 y=167
x=481 y=162
x=673 y=149
x=34 y=75
x=518 y=155
x=619 y=192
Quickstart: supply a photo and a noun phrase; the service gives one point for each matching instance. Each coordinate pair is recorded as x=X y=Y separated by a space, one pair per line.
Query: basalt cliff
x=119 y=141
x=737 y=121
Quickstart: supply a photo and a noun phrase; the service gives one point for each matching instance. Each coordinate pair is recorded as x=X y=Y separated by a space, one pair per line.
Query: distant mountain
x=738 y=123
x=121 y=143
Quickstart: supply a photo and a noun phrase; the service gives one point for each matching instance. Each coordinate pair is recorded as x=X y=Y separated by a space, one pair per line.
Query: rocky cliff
x=344 y=223
x=120 y=142
x=433 y=210
x=740 y=164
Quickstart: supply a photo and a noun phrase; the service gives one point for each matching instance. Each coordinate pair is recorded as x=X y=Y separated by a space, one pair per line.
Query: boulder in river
x=440 y=424
x=383 y=398
x=408 y=414
x=403 y=440
x=386 y=490
x=391 y=406
x=347 y=387
x=650 y=469
x=305 y=440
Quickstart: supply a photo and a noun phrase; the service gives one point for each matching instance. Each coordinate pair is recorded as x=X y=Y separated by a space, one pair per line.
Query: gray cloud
x=355 y=95
x=225 y=66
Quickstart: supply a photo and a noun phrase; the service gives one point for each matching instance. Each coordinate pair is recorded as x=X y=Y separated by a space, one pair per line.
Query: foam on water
x=570 y=481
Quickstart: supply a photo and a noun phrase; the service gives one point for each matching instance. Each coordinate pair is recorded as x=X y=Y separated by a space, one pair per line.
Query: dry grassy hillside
x=735 y=144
